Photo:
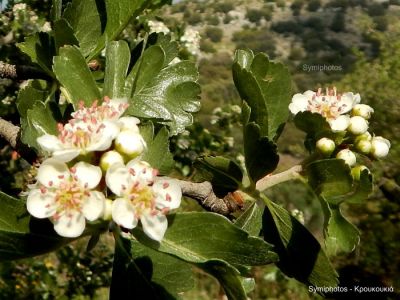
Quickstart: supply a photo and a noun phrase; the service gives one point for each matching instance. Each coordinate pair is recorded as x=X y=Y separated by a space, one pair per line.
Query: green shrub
x=223 y=7
x=313 y=5
x=215 y=34
x=207 y=46
x=212 y=20
x=195 y=19
x=254 y=15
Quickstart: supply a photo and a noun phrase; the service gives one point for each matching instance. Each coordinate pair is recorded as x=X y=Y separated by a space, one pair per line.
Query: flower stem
x=271 y=180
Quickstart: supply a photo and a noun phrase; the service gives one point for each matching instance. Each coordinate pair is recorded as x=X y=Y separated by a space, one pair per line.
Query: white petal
x=347 y=102
x=49 y=143
x=51 y=172
x=168 y=193
x=123 y=213
x=94 y=205
x=104 y=137
x=116 y=103
x=88 y=175
x=118 y=179
x=66 y=155
x=299 y=103
x=41 y=205
x=154 y=225
x=70 y=224
x=340 y=123
x=141 y=171
x=309 y=94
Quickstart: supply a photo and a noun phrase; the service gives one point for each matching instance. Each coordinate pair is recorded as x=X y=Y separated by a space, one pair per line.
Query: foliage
x=153 y=87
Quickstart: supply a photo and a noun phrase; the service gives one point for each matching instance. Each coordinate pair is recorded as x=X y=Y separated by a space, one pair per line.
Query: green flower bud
x=364 y=146
x=130 y=143
x=348 y=156
x=358 y=125
x=356 y=171
x=326 y=146
x=109 y=158
x=380 y=147
x=362 y=110
x=107 y=214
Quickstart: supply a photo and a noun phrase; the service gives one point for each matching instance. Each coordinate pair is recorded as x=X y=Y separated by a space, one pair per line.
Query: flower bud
x=130 y=143
x=107 y=214
x=364 y=146
x=109 y=158
x=325 y=146
x=358 y=125
x=348 y=156
x=365 y=136
x=357 y=170
x=362 y=110
x=380 y=147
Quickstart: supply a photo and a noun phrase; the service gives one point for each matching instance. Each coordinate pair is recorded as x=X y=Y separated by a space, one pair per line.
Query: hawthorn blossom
x=141 y=195
x=348 y=156
x=157 y=26
x=380 y=147
x=331 y=105
x=90 y=129
x=66 y=196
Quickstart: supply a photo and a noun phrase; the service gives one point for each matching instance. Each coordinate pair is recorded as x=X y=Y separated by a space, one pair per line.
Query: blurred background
x=353 y=45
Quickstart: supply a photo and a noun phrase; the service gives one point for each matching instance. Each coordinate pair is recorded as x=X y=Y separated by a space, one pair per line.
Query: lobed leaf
x=251 y=219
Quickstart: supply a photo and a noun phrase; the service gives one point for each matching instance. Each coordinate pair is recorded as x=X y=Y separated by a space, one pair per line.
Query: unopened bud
x=130 y=143
x=348 y=156
x=363 y=110
x=380 y=147
x=364 y=146
x=325 y=146
x=129 y=123
x=109 y=158
x=107 y=214
x=358 y=125
x=365 y=136
x=356 y=171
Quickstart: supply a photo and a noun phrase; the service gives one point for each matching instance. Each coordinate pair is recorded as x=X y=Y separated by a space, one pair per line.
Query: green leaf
x=40 y=48
x=63 y=34
x=21 y=236
x=215 y=238
x=170 y=94
x=117 y=63
x=261 y=157
x=266 y=87
x=28 y=96
x=224 y=174
x=251 y=219
x=157 y=153
x=164 y=41
x=311 y=122
x=40 y=120
x=73 y=73
x=300 y=254
x=139 y=271
x=87 y=21
x=330 y=178
x=340 y=234
x=228 y=277
x=118 y=14
x=56 y=10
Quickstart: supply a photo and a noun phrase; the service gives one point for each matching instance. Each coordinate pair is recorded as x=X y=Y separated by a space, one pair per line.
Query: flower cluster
x=348 y=119
x=191 y=40
x=85 y=160
x=157 y=26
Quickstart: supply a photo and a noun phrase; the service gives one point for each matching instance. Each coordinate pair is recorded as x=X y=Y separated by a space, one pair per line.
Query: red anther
x=123 y=186
x=43 y=189
x=81 y=104
x=132 y=171
x=144 y=170
x=60 y=127
x=106 y=99
x=155 y=172
x=154 y=212
x=60 y=176
x=73 y=170
x=50 y=183
x=165 y=185
x=165 y=210
x=168 y=197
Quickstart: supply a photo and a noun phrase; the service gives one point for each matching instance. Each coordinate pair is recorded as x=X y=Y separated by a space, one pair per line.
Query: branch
x=203 y=193
x=271 y=180
x=9 y=132
x=21 y=72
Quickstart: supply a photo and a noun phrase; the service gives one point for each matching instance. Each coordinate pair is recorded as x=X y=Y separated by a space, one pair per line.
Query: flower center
x=69 y=196
x=329 y=106
x=142 y=198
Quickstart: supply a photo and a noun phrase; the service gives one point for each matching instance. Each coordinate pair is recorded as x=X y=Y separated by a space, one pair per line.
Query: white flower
x=142 y=196
x=362 y=110
x=156 y=26
x=380 y=147
x=46 y=27
x=91 y=129
x=66 y=196
x=326 y=146
x=191 y=39
x=331 y=106
x=348 y=156
x=358 y=125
